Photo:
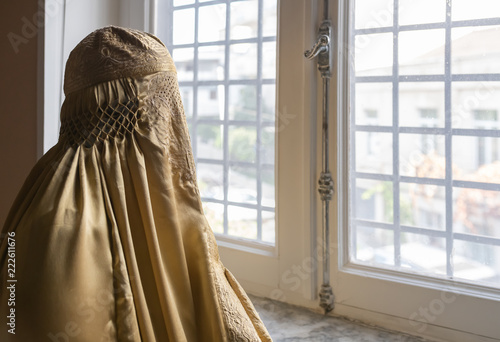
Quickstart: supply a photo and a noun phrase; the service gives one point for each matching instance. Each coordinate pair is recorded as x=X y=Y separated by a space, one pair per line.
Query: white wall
x=67 y=24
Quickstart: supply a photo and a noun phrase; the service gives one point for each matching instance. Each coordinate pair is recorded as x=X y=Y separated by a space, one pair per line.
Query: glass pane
x=183 y=26
x=421 y=52
x=267 y=177
x=187 y=100
x=242 y=143
x=184 y=61
x=243 y=61
x=476 y=211
x=422 y=205
x=244 y=21
x=243 y=102
x=423 y=254
x=422 y=155
x=421 y=104
x=476 y=262
x=374 y=246
x=471 y=98
x=373 y=54
x=210 y=182
x=269 y=60
x=209 y=141
x=242 y=222
x=267 y=146
x=268 y=102
x=214 y=213
x=373 y=104
x=183 y=2
x=472 y=50
x=242 y=184
x=421 y=12
x=211 y=63
x=373 y=13
x=374 y=200
x=212 y=23
x=268 y=229
x=477 y=9
x=269 y=22
x=373 y=152
x=476 y=159
x=211 y=102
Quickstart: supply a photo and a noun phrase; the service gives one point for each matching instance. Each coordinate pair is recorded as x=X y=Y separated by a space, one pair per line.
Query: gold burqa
x=111 y=243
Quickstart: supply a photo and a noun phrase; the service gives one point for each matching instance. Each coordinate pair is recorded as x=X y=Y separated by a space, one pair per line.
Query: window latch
x=322 y=49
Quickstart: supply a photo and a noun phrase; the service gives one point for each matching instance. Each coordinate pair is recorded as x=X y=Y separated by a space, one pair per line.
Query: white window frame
x=413 y=303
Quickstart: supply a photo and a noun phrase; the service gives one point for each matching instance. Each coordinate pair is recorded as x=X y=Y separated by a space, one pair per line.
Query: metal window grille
x=261 y=167
x=359 y=218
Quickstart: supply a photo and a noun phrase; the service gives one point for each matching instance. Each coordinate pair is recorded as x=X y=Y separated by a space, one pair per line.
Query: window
x=225 y=54
x=435 y=212
x=419 y=246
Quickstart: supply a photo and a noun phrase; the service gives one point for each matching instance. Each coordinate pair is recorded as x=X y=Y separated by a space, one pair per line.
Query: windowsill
x=246 y=245
x=287 y=322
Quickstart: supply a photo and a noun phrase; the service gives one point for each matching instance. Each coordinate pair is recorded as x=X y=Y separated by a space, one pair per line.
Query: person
x=107 y=235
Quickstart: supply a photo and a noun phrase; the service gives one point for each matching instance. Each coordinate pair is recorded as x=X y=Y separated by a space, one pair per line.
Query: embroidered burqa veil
x=111 y=243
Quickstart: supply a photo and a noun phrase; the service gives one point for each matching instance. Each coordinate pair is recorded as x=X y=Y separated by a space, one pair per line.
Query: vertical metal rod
x=325 y=170
x=325 y=190
x=323 y=50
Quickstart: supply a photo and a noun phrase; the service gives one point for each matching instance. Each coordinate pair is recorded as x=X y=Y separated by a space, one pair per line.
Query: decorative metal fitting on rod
x=325 y=188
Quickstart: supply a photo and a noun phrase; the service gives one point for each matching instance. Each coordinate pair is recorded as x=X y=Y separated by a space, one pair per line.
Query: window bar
x=352 y=175
x=194 y=122
x=470 y=132
x=395 y=141
x=225 y=137
x=476 y=185
x=430 y=26
x=431 y=78
x=259 y=119
x=170 y=31
x=448 y=143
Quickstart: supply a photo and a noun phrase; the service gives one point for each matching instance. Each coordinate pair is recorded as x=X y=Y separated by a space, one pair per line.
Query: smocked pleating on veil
x=111 y=243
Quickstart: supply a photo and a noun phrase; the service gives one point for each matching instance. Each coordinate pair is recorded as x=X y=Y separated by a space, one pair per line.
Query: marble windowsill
x=292 y=323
